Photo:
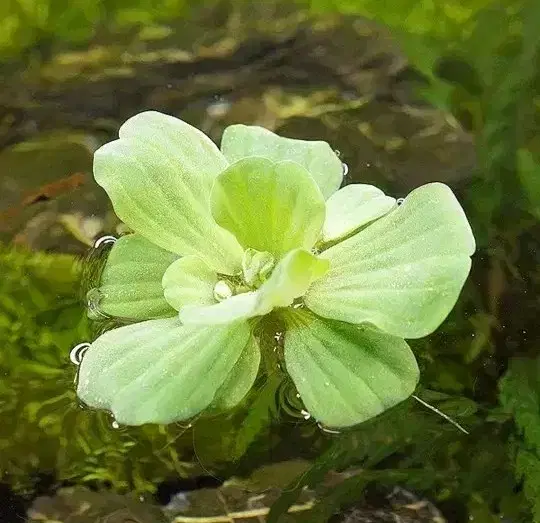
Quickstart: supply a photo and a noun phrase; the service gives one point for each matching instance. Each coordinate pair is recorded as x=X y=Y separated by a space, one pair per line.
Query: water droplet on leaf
x=222 y=290
x=344 y=168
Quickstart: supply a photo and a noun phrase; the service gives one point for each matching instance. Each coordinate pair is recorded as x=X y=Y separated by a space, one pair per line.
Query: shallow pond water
x=463 y=448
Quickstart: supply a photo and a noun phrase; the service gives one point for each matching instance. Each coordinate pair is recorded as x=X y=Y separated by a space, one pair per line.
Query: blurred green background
x=408 y=92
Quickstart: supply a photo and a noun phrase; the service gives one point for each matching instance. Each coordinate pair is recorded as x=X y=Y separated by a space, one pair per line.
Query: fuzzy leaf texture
x=224 y=239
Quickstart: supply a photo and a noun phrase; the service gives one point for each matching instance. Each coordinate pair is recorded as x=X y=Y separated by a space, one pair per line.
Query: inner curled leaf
x=256 y=267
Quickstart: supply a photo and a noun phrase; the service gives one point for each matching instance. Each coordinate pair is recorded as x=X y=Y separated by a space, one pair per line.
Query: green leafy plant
x=520 y=396
x=263 y=232
x=43 y=429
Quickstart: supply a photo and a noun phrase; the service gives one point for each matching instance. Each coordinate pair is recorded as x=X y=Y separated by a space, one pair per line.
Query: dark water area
x=465 y=447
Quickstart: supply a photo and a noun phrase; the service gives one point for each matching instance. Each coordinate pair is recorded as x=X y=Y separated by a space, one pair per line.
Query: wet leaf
x=130 y=285
x=318 y=158
x=158 y=175
x=404 y=272
x=346 y=374
x=150 y=372
x=268 y=206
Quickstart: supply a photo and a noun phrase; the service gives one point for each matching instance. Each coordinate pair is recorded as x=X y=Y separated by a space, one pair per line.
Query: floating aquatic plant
x=225 y=237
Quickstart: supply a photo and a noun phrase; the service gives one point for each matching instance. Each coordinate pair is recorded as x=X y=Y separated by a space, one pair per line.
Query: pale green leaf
x=352 y=207
x=289 y=280
x=404 y=272
x=346 y=374
x=158 y=176
x=189 y=281
x=241 y=141
x=240 y=379
x=256 y=266
x=273 y=207
x=130 y=285
x=240 y=306
x=159 y=371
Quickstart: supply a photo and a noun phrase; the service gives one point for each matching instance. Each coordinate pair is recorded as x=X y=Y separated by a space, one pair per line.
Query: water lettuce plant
x=224 y=238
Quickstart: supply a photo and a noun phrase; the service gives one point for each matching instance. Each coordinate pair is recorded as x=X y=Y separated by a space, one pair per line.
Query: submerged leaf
x=404 y=272
x=322 y=163
x=130 y=284
x=152 y=372
x=520 y=395
x=346 y=374
x=272 y=207
x=158 y=176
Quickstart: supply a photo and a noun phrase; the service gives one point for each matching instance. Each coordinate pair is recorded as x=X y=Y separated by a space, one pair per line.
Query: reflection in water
x=287 y=402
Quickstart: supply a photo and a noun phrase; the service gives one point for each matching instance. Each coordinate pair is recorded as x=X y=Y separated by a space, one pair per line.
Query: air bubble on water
x=222 y=290
x=298 y=395
x=328 y=430
x=399 y=201
x=115 y=425
x=77 y=353
x=306 y=414
x=344 y=168
x=104 y=240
